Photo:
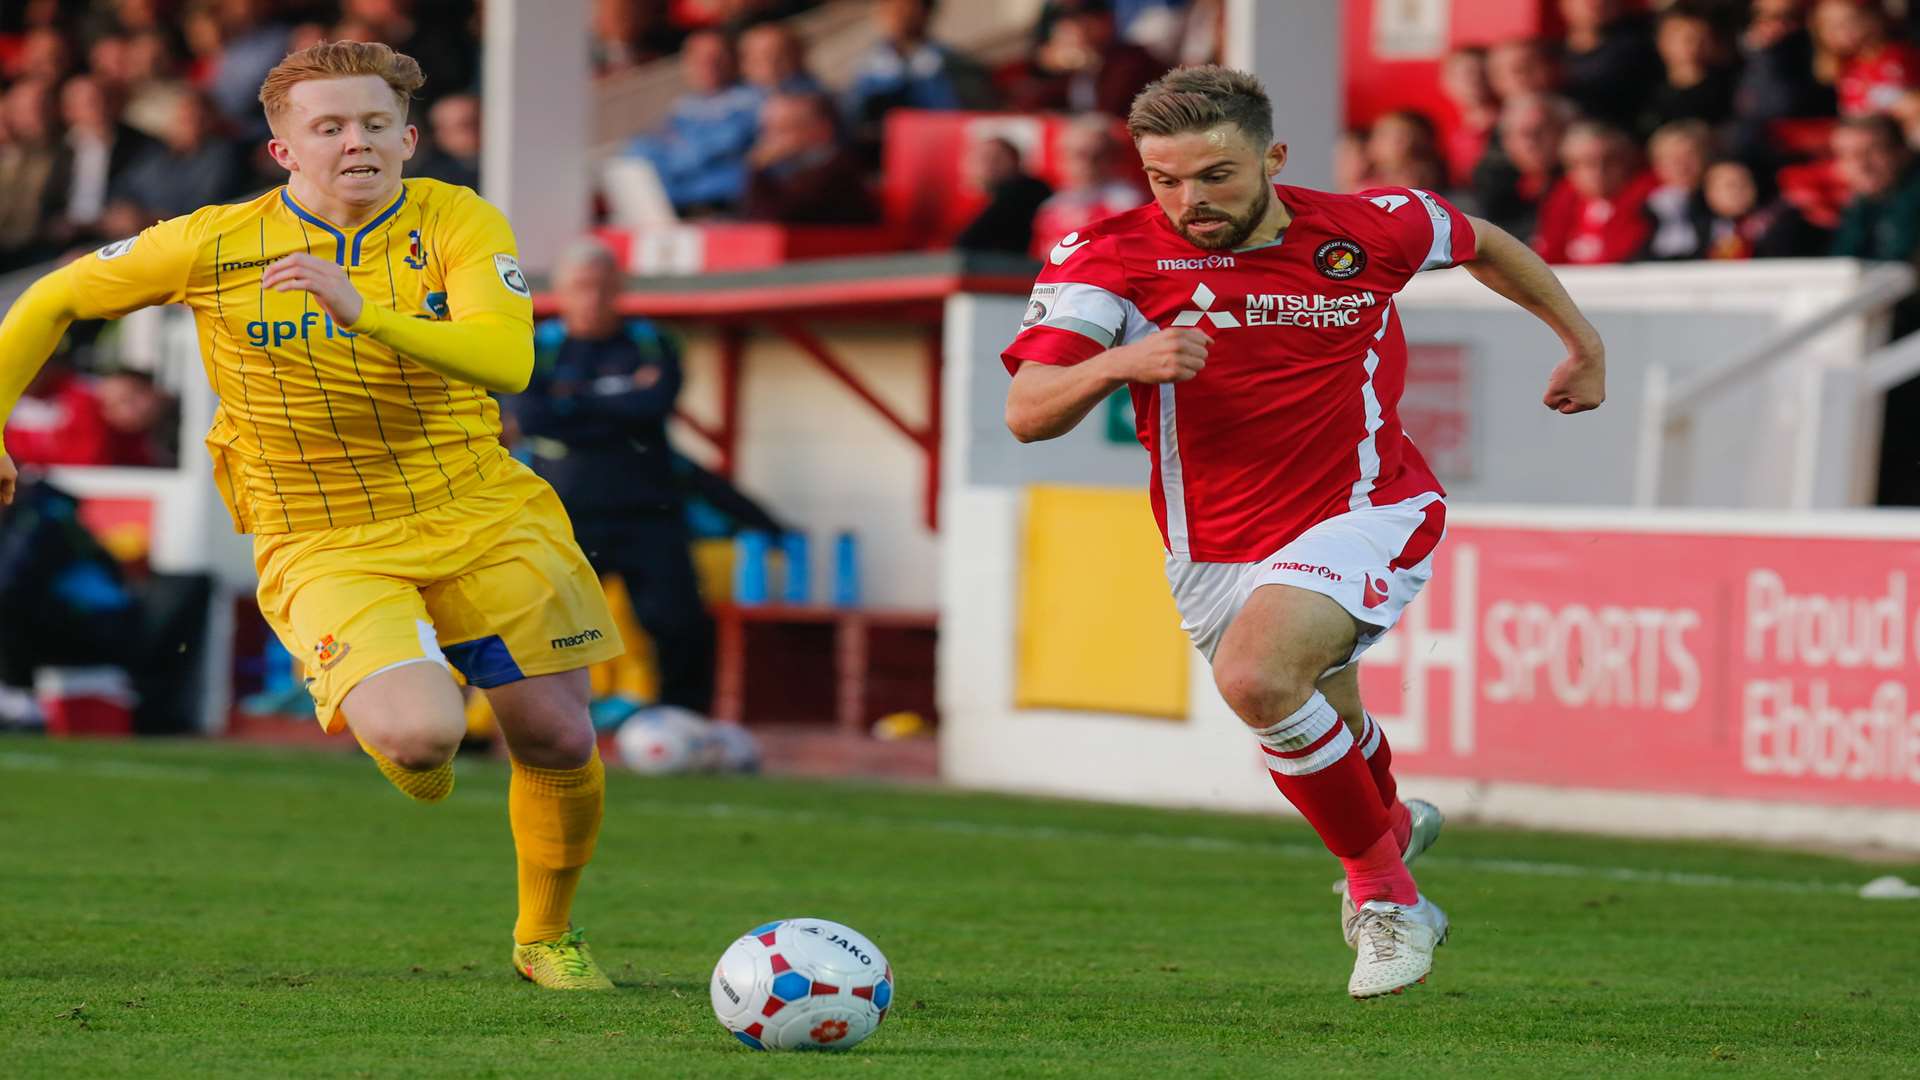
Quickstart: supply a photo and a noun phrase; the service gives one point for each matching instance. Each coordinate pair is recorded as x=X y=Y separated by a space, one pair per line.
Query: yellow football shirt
x=318 y=427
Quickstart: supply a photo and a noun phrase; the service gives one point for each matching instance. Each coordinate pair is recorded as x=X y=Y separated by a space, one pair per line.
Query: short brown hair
x=1879 y=125
x=1200 y=99
x=341 y=60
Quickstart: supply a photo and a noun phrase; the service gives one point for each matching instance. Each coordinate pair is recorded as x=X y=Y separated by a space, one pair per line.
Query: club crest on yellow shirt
x=330 y=652
x=416 y=251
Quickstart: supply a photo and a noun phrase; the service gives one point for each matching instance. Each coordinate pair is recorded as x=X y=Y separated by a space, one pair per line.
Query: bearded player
x=1254 y=326
x=352 y=324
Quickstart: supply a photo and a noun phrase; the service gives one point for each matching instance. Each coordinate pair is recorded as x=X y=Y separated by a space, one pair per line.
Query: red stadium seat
x=707 y=248
x=923 y=187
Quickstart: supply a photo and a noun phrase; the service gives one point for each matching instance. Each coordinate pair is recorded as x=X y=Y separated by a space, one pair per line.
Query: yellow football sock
x=555 y=815
x=423 y=785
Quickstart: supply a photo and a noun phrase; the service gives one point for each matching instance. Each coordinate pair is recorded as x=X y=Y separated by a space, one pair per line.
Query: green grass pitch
x=187 y=909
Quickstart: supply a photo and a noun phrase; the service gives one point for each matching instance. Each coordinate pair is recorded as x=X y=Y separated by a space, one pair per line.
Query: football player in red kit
x=1254 y=326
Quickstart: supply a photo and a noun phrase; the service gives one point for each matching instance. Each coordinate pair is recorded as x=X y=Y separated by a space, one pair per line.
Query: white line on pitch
x=667 y=808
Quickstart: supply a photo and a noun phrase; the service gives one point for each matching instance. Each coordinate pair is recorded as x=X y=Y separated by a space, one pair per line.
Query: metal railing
x=1669 y=406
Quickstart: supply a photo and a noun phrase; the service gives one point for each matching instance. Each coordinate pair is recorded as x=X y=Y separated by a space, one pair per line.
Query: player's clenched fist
x=9 y=476
x=327 y=281
x=1579 y=383
x=1170 y=356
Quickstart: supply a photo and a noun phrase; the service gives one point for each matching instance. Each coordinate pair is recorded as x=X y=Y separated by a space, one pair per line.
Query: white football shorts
x=1372 y=561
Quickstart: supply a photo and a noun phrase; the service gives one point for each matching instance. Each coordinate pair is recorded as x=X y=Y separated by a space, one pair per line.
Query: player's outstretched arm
x=1048 y=400
x=32 y=328
x=1512 y=269
x=486 y=348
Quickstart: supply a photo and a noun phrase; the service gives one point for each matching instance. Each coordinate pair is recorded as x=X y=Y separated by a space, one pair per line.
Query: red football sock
x=1378 y=874
x=1402 y=823
x=1316 y=764
x=1373 y=745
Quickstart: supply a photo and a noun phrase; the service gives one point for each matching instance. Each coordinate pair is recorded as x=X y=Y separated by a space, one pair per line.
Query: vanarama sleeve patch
x=508 y=268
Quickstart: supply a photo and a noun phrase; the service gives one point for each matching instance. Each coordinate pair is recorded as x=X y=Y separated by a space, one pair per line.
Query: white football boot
x=1395 y=944
x=1427 y=820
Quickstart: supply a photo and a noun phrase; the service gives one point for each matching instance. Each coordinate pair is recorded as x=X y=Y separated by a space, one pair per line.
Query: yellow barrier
x=1097 y=626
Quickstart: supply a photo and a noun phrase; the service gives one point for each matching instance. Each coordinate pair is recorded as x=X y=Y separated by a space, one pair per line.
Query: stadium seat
x=923 y=187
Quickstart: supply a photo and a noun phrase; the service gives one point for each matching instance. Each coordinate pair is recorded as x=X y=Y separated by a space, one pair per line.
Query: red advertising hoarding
x=1769 y=667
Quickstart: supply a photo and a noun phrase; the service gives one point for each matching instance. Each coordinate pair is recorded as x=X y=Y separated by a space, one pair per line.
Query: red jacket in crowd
x=1577 y=229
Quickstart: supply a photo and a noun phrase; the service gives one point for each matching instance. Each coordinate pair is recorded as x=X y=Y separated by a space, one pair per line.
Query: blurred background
x=796 y=235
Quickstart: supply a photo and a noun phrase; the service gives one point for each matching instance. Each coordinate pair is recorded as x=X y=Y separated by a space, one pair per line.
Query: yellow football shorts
x=491 y=584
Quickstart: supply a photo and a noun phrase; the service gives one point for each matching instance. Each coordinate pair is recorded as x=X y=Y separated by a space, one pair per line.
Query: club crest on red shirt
x=1340 y=259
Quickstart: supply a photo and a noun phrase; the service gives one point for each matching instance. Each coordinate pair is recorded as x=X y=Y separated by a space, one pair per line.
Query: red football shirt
x=1295 y=418
x=1873 y=82
x=1589 y=231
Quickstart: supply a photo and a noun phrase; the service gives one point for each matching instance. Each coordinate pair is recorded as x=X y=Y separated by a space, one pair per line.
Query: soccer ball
x=735 y=747
x=802 y=984
x=661 y=740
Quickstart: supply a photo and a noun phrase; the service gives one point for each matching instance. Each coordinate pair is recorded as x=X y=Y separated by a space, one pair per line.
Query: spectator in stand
x=351 y=30
x=1523 y=162
x=597 y=408
x=447 y=51
x=107 y=58
x=1464 y=82
x=1882 y=218
x=773 y=61
x=1699 y=84
x=1744 y=222
x=1521 y=67
x=141 y=422
x=1350 y=161
x=1403 y=150
x=100 y=151
x=1610 y=63
x=1013 y=198
x=702 y=155
x=45 y=56
x=1776 y=78
x=204 y=35
x=251 y=42
x=1154 y=25
x=1870 y=70
x=1679 y=152
x=802 y=173
x=197 y=168
x=153 y=83
x=1595 y=214
x=33 y=186
x=908 y=69
x=127 y=17
x=453 y=154
x=1090 y=157
x=1080 y=68
x=59 y=421
x=736 y=17
x=628 y=33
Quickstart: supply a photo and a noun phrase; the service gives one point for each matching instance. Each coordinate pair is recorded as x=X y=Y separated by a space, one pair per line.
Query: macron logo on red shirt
x=1064 y=250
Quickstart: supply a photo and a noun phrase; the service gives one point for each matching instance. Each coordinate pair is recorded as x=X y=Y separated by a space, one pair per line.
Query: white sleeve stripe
x=1100 y=315
x=1100 y=335
x=1441 y=252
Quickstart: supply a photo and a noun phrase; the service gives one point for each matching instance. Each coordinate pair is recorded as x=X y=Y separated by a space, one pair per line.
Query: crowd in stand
x=757 y=137
x=116 y=113
x=1695 y=130
x=1670 y=129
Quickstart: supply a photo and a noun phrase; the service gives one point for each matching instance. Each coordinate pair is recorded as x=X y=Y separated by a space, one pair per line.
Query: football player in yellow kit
x=352 y=324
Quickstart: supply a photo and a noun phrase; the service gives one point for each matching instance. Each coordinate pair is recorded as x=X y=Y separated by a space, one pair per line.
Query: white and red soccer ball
x=802 y=984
